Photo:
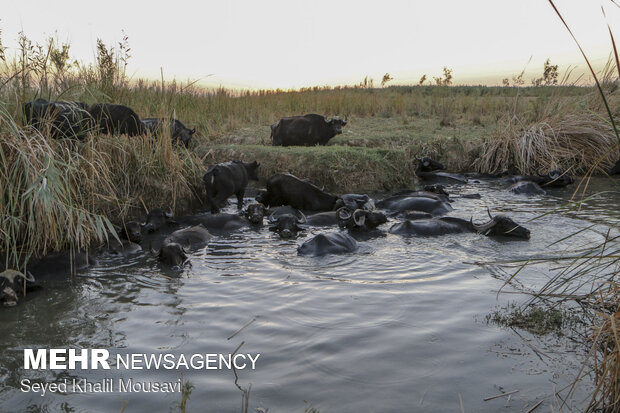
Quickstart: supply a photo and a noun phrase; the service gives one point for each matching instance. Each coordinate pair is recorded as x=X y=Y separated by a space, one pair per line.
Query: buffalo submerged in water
x=328 y=243
x=287 y=189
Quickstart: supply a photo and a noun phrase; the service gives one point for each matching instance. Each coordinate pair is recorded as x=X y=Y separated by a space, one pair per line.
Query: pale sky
x=292 y=43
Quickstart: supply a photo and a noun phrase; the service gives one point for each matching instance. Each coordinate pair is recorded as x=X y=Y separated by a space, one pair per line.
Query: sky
x=287 y=44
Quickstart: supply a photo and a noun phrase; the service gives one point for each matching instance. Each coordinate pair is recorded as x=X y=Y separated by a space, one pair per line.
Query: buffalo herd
x=289 y=204
x=62 y=119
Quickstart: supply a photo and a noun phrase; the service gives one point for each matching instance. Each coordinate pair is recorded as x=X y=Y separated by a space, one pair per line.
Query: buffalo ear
x=192 y=131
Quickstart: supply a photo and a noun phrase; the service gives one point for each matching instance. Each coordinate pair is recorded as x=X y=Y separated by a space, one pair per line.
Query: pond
x=400 y=325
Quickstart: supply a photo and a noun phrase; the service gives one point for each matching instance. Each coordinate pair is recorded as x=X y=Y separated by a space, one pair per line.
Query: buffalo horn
x=301 y=218
x=359 y=217
x=343 y=213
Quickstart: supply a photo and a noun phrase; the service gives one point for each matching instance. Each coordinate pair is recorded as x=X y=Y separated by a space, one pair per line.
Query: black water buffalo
x=306 y=130
x=287 y=225
x=116 y=119
x=400 y=203
x=322 y=219
x=329 y=243
x=427 y=164
x=59 y=119
x=527 y=188
x=360 y=219
x=157 y=218
x=172 y=254
x=122 y=246
x=218 y=223
x=499 y=225
x=194 y=235
x=64 y=263
x=13 y=285
x=131 y=230
x=615 y=170
x=357 y=201
x=412 y=215
x=287 y=189
x=227 y=179
x=255 y=213
x=555 y=178
x=179 y=134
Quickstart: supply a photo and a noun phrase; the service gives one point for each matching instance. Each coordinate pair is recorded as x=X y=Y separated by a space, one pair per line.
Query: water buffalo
x=116 y=119
x=157 y=218
x=60 y=119
x=122 y=247
x=555 y=178
x=255 y=213
x=527 y=188
x=357 y=201
x=179 y=134
x=330 y=243
x=189 y=236
x=227 y=179
x=402 y=203
x=131 y=230
x=61 y=263
x=13 y=285
x=615 y=170
x=360 y=219
x=412 y=215
x=172 y=254
x=306 y=130
x=322 y=219
x=500 y=225
x=286 y=223
x=426 y=164
x=218 y=223
x=287 y=189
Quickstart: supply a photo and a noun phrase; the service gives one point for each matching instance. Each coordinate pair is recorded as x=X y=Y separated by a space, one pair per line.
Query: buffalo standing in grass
x=179 y=134
x=61 y=119
x=227 y=179
x=306 y=130
x=116 y=119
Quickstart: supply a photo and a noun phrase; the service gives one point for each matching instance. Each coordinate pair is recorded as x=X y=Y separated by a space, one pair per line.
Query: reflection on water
x=395 y=326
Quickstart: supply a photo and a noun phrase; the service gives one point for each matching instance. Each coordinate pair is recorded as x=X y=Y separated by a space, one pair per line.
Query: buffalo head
x=287 y=225
x=255 y=213
x=182 y=135
x=336 y=124
x=501 y=225
x=132 y=231
x=555 y=178
x=360 y=219
x=172 y=254
x=12 y=286
x=157 y=218
x=426 y=164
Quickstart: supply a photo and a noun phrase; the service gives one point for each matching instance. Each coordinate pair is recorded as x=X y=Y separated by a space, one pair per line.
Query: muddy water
x=400 y=325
